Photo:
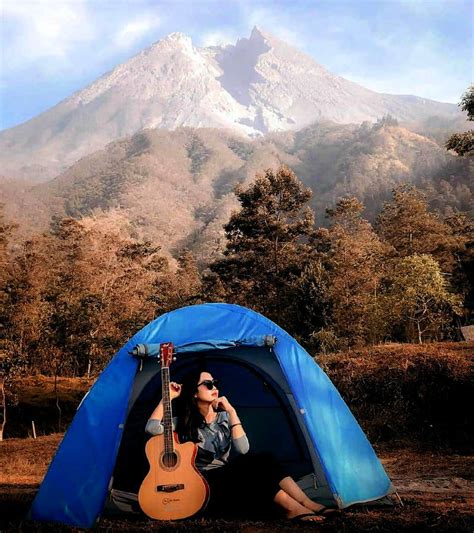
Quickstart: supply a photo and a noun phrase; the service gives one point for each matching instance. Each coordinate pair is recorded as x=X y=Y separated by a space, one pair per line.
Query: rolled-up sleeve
x=241 y=444
x=155 y=426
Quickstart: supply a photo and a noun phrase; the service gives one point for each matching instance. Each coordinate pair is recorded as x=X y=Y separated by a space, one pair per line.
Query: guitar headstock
x=166 y=354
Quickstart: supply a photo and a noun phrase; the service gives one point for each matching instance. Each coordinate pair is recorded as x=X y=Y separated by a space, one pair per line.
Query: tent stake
x=399 y=499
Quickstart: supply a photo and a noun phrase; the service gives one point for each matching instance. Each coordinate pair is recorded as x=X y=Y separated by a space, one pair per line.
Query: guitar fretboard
x=167 y=414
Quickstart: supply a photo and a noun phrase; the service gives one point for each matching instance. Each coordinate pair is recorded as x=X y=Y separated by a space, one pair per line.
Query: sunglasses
x=210 y=383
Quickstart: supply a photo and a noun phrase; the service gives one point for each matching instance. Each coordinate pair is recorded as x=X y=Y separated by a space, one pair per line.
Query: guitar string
x=169 y=456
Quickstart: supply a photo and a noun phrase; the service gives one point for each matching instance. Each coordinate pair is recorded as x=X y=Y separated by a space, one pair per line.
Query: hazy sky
x=52 y=48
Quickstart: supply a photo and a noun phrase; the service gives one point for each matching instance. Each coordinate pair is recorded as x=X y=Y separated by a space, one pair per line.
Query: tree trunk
x=276 y=265
x=420 y=341
x=57 y=400
x=4 y=409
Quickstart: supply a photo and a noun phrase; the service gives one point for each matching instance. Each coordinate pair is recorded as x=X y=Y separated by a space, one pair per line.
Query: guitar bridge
x=170 y=488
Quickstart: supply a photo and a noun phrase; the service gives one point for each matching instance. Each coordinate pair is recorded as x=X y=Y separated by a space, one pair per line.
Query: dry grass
x=24 y=461
x=36 y=390
x=35 y=400
x=437 y=491
x=409 y=392
x=458 y=356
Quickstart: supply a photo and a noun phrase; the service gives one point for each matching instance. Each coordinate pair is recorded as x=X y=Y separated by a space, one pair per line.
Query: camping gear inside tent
x=287 y=404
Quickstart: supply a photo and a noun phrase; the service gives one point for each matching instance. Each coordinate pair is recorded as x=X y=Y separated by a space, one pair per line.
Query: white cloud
x=219 y=38
x=133 y=31
x=44 y=29
x=64 y=37
x=423 y=82
x=429 y=69
x=270 y=20
x=420 y=7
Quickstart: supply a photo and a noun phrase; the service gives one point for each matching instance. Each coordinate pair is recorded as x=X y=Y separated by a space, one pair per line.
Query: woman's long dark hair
x=189 y=416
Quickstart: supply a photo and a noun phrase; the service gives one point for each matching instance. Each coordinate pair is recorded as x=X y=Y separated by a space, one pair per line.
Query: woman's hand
x=222 y=403
x=175 y=390
x=235 y=424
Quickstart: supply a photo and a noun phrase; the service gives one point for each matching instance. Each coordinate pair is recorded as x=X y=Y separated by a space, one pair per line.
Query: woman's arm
x=240 y=441
x=154 y=425
x=234 y=420
x=223 y=403
x=158 y=412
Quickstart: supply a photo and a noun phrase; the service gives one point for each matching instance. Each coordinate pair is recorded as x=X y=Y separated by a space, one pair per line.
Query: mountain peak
x=258 y=85
x=176 y=38
x=257 y=33
x=261 y=36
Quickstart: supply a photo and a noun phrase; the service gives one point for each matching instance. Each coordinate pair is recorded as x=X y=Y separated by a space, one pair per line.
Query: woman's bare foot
x=307 y=517
x=316 y=507
x=295 y=509
x=312 y=506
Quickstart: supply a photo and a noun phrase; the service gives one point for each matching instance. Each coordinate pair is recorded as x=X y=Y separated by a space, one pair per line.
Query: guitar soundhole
x=170 y=459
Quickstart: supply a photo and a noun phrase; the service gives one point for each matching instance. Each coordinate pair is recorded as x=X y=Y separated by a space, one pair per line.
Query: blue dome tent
x=287 y=404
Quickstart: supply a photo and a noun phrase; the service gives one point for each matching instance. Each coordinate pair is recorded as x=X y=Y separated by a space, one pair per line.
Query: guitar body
x=173 y=488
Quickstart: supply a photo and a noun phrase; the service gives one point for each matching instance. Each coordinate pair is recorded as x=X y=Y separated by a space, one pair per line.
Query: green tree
x=188 y=283
x=267 y=244
x=78 y=292
x=406 y=223
x=463 y=143
x=5 y=275
x=312 y=309
x=182 y=287
x=420 y=296
x=356 y=265
x=69 y=317
x=463 y=275
x=12 y=365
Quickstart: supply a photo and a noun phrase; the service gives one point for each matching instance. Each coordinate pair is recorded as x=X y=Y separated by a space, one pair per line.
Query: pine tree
x=188 y=281
x=355 y=262
x=421 y=298
x=408 y=225
x=80 y=291
x=12 y=365
x=463 y=143
x=267 y=244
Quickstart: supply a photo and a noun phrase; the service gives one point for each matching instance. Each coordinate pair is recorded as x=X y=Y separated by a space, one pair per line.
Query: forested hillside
x=74 y=294
x=176 y=188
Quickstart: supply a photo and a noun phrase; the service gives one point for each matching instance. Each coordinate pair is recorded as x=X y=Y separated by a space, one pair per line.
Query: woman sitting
x=242 y=484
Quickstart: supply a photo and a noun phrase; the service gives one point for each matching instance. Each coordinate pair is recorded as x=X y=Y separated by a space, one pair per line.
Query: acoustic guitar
x=173 y=488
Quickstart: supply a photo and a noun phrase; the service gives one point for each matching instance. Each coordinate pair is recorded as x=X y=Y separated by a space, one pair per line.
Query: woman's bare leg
x=293 y=508
x=289 y=485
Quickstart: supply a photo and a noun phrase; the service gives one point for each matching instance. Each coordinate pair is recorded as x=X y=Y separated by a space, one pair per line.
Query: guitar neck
x=167 y=413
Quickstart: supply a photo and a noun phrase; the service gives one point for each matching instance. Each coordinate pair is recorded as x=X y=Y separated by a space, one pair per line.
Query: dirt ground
x=437 y=492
